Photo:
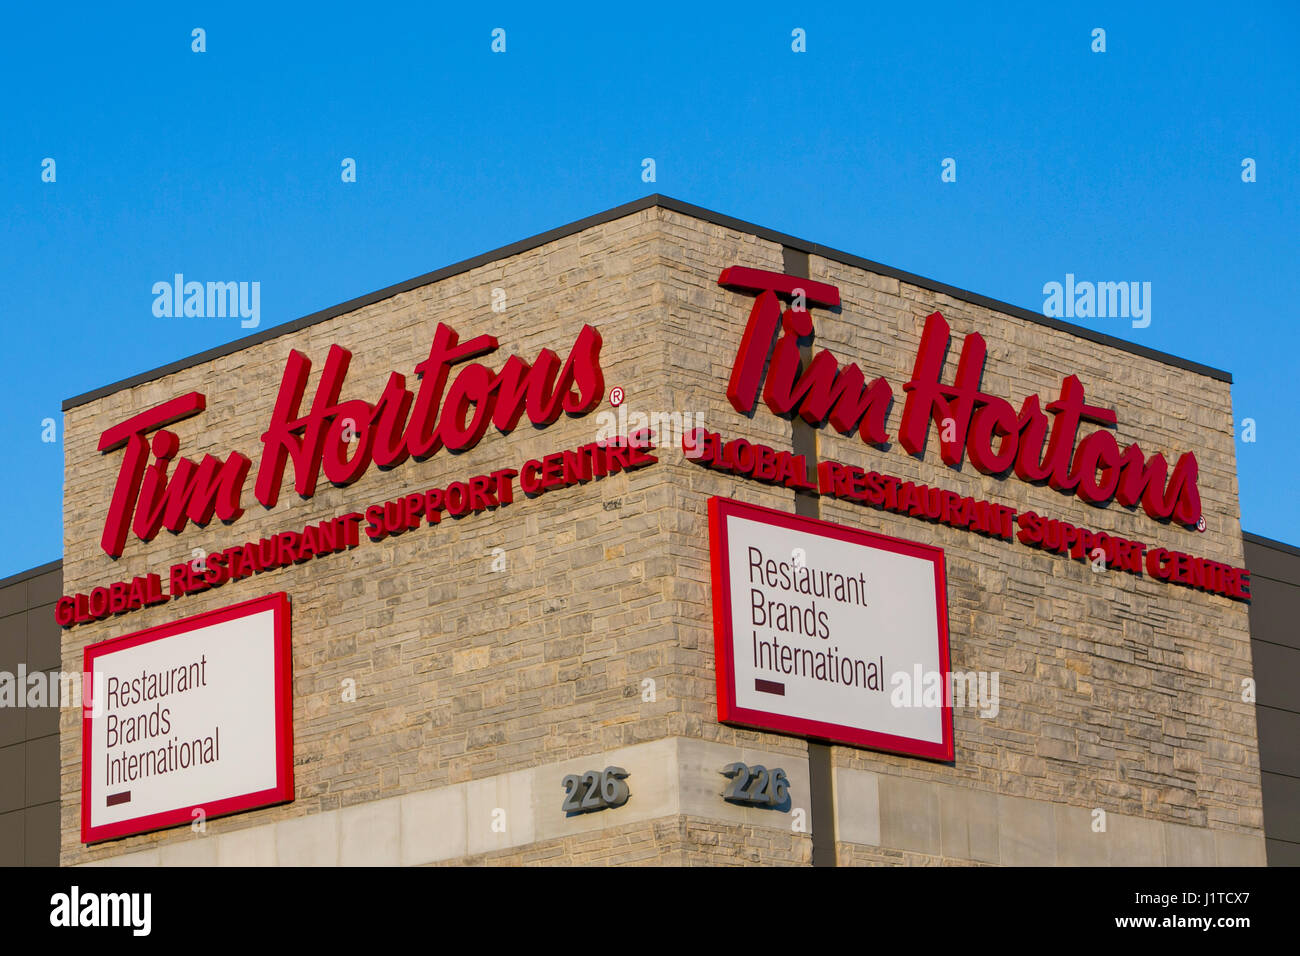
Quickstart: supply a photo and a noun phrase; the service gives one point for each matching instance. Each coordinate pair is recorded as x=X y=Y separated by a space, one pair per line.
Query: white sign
x=188 y=720
x=813 y=621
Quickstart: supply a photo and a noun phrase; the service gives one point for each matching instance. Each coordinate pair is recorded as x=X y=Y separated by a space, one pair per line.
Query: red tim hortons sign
x=455 y=403
x=340 y=438
x=1038 y=443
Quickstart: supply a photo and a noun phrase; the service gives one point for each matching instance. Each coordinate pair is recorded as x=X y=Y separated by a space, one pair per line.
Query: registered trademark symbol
x=1200 y=523
x=616 y=396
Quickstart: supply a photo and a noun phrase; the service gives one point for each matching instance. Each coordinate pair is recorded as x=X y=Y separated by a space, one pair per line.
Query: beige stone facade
x=479 y=686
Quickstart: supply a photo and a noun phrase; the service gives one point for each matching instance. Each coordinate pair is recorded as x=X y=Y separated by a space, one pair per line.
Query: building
x=1275 y=652
x=515 y=506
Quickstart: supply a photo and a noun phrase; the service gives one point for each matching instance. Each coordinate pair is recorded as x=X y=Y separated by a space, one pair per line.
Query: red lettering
x=528 y=478
x=553 y=470
x=1031 y=528
x=950 y=407
x=347 y=442
x=871 y=486
x=997 y=418
x=616 y=458
x=388 y=448
x=577 y=467
x=282 y=441
x=832 y=479
x=309 y=544
x=1097 y=451
x=1159 y=564
x=480 y=495
x=756 y=342
x=345 y=438
x=639 y=454
x=131 y=434
x=1239 y=583
x=412 y=511
x=457 y=498
x=179 y=580
x=65 y=611
x=217 y=573
x=970 y=422
x=350 y=522
x=375 y=530
x=891 y=491
x=505 y=491
x=287 y=548
x=117 y=597
x=433 y=505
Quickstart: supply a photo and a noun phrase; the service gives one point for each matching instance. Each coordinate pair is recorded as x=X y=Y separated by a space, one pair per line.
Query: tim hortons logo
x=341 y=438
x=998 y=439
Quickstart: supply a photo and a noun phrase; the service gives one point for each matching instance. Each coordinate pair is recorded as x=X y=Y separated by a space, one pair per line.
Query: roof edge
x=1273 y=543
x=618 y=212
x=30 y=573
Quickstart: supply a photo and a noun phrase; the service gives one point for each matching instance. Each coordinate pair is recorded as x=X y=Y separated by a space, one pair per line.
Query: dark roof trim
x=1270 y=543
x=21 y=576
x=618 y=212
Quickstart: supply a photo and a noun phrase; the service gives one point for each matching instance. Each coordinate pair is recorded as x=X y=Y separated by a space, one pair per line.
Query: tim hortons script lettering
x=998 y=439
x=340 y=438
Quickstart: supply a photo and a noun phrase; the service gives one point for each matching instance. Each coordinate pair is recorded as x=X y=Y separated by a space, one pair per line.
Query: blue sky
x=1122 y=165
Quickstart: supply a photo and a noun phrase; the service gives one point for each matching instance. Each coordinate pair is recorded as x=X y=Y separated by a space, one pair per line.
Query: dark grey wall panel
x=1281 y=796
x=13 y=641
x=29 y=737
x=44 y=636
x=13 y=777
x=1275 y=652
x=1272 y=559
x=42 y=722
x=1279 y=738
x=13 y=725
x=1281 y=853
x=13 y=649
x=42 y=769
x=13 y=597
x=12 y=831
x=41 y=835
x=45 y=588
x=1276 y=667
x=1273 y=607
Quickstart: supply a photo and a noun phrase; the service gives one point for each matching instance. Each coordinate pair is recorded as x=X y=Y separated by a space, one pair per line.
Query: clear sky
x=1123 y=165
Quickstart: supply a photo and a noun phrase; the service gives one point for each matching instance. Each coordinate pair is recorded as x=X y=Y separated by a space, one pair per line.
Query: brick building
x=448 y=678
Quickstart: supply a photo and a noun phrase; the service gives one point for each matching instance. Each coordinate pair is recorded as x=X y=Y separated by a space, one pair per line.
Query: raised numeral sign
x=757 y=786
x=595 y=790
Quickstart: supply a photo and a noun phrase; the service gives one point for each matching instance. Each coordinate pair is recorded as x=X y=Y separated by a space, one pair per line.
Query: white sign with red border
x=195 y=715
x=813 y=621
